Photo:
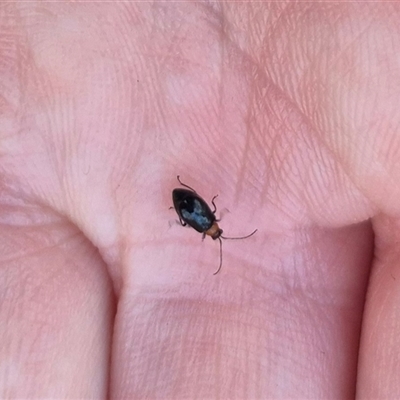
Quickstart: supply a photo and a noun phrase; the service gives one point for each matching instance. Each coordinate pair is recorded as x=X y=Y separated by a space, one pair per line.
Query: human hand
x=288 y=111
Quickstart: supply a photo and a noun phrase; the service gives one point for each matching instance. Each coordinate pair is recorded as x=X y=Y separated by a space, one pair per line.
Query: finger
x=289 y=323
x=379 y=359
x=55 y=311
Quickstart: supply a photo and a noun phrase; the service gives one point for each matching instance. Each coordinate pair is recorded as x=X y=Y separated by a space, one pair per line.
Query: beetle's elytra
x=192 y=210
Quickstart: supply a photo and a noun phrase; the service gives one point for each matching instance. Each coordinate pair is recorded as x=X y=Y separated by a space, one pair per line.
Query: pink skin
x=288 y=111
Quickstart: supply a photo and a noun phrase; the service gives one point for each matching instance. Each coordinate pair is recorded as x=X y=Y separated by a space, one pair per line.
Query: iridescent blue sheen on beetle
x=195 y=212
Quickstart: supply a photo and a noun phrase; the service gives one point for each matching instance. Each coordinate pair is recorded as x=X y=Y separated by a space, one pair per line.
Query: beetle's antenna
x=184 y=184
x=229 y=238
x=220 y=257
x=242 y=237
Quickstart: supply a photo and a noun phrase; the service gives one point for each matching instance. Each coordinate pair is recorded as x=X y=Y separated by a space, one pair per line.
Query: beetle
x=192 y=210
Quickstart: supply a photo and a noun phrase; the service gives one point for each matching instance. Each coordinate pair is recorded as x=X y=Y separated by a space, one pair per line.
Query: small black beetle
x=195 y=212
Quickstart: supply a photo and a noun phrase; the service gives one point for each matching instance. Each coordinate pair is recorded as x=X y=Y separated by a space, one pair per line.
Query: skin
x=288 y=111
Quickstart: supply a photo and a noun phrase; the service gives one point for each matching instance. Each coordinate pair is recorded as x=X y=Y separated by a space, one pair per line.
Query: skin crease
x=288 y=111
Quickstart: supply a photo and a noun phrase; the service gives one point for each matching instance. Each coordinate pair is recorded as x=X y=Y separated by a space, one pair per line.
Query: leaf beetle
x=192 y=210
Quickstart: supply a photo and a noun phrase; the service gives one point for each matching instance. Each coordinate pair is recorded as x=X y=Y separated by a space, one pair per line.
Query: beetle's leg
x=203 y=236
x=212 y=202
x=185 y=185
x=182 y=222
x=222 y=213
